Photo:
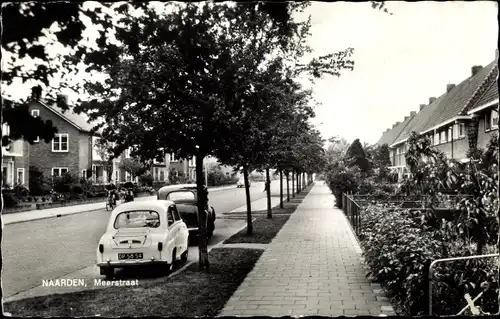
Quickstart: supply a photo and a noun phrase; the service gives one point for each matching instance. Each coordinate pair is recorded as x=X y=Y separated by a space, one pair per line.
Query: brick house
x=71 y=148
x=485 y=115
x=15 y=166
x=446 y=119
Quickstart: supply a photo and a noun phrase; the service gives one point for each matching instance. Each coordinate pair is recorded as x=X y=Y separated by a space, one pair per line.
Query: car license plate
x=125 y=256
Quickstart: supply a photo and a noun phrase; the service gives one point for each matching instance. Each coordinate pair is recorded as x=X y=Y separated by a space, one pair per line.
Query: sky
x=400 y=60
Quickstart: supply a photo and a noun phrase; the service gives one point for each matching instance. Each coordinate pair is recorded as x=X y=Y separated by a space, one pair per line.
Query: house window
x=461 y=130
x=494 y=119
x=127 y=177
x=20 y=176
x=59 y=171
x=436 y=138
x=443 y=136
x=36 y=113
x=60 y=143
x=5 y=129
x=172 y=157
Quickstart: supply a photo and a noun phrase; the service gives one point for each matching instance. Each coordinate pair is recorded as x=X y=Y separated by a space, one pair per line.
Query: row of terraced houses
x=464 y=116
x=74 y=150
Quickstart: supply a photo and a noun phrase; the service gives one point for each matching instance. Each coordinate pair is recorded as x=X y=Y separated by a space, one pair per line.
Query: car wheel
x=171 y=267
x=184 y=256
x=108 y=272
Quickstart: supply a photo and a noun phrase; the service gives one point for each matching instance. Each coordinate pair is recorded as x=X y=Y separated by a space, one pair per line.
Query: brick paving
x=312 y=267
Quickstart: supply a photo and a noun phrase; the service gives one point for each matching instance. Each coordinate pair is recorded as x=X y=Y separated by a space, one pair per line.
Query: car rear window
x=137 y=218
x=187 y=195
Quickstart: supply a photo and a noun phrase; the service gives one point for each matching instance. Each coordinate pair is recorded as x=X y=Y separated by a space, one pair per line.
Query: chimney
x=413 y=113
x=423 y=105
x=475 y=69
x=406 y=117
x=431 y=100
x=395 y=124
x=449 y=87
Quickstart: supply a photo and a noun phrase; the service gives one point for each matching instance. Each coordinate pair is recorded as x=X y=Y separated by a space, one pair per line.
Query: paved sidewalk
x=312 y=267
x=12 y=218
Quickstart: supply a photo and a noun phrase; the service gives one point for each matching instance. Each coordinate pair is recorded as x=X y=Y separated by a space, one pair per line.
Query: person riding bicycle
x=112 y=196
x=129 y=195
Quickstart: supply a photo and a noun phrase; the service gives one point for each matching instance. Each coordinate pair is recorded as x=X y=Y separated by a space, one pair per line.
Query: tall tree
x=53 y=26
x=103 y=149
x=175 y=82
x=356 y=156
x=132 y=166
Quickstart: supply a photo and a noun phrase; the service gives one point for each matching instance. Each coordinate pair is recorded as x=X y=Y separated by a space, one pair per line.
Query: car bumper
x=130 y=263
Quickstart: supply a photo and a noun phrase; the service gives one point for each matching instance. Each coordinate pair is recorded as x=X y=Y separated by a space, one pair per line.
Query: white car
x=143 y=233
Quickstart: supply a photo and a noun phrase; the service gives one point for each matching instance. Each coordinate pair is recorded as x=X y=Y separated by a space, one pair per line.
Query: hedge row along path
x=312 y=267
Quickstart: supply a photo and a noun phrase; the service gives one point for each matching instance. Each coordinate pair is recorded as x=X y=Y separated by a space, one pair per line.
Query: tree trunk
x=249 y=205
x=297 y=180
x=281 y=188
x=268 y=191
x=202 y=214
x=293 y=182
x=287 y=186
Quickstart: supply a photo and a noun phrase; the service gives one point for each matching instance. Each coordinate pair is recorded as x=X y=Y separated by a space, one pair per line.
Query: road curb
x=51 y=216
x=85 y=211
x=208 y=250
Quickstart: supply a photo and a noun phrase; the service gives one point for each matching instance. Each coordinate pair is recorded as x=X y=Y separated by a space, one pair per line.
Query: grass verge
x=264 y=230
x=189 y=294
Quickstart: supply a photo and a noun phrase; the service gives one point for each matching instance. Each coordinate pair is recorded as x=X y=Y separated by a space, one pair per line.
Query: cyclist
x=129 y=195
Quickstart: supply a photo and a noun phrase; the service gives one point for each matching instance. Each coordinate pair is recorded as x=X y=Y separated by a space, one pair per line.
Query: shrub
x=38 y=184
x=343 y=180
x=399 y=246
x=63 y=184
x=21 y=191
x=146 y=179
x=9 y=199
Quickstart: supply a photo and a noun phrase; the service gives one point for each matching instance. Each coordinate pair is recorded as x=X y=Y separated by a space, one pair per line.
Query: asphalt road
x=57 y=247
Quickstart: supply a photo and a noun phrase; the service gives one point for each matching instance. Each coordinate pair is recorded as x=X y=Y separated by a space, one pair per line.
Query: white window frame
x=437 y=138
x=5 y=129
x=21 y=170
x=493 y=126
x=60 y=135
x=443 y=138
x=60 y=170
x=36 y=113
x=172 y=157
x=461 y=127
x=128 y=176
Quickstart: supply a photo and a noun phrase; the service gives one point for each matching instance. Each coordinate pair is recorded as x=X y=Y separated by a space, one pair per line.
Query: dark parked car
x=185 y=196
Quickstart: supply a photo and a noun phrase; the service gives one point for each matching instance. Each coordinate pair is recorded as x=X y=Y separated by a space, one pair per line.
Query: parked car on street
x=185 y=196
x=143 y=233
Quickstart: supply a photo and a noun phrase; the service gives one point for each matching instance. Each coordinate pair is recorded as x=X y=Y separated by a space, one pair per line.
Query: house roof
x=448 y=105
x=80 y=121
x=489 y=95
x=390 y=136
